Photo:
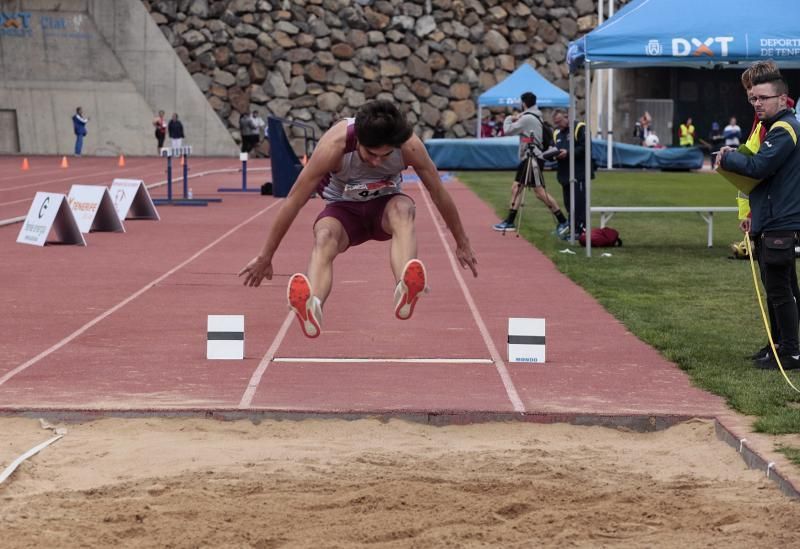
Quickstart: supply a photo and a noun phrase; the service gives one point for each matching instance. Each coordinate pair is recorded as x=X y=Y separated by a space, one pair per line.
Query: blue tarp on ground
x=502 y=153
x=635 y=156
x=692 y=33
x=524 y=79
x=494 y=153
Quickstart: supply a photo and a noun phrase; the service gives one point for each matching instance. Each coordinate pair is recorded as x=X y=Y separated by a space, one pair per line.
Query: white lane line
x=511 y=390
x=12 y=220
x=319 y=360
x=118 y=306
x=255 y=379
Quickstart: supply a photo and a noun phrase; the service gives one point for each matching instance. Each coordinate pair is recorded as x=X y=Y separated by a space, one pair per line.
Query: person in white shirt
x=732 y=133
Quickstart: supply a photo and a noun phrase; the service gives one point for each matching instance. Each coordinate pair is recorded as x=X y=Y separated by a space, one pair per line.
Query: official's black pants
x=580 y=203
x=780 y=282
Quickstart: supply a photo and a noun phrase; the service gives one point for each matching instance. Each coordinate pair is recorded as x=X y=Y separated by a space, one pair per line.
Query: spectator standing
x=716 y=140
x=160 y=124
x=642 y=128
x=261 y=127
x=562 y=142
x=530 y=127
x=79 y=127
x=732 y=133
x=175 y=130
x=686 y=133
x=249 y=132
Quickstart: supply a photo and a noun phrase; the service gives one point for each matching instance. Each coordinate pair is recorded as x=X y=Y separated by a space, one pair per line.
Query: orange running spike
x=64 y=163
x=25 y=164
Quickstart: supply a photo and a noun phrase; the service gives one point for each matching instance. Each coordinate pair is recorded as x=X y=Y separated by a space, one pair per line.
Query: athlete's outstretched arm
x=327 y=158
x=416 y=156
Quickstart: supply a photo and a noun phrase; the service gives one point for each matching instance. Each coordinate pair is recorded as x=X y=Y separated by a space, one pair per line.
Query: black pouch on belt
x=778 y=248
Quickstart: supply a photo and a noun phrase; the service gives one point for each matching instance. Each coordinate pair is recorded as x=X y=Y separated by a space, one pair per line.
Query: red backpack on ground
x=602 y=238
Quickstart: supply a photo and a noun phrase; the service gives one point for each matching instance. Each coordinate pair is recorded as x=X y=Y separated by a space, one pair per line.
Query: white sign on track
x=225 y=337
x=50 y=212
x=94 y=209
x=526 y=340
x=132 y=200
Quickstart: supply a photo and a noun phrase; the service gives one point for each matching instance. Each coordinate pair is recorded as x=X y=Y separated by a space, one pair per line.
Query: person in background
x=498 y=126
x=249 y=132
x=487 y=125
x=530 y=127
x=562 y=141
x=642 y=128
x=686 y=133
x=260 y=125
x=175 y=130
x=160 y=124
x=716 y=140
x=79 y=127
x=732 y=133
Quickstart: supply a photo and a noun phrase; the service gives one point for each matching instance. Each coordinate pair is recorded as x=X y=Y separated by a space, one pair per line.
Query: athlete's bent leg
x=398 y=221
x=330 y=239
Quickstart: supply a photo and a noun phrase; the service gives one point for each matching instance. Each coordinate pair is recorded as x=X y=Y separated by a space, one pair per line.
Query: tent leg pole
x=588 y=167
x=571 y=129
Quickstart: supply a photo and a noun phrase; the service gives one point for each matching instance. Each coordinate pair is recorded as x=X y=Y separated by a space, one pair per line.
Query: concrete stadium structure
x=107 y=56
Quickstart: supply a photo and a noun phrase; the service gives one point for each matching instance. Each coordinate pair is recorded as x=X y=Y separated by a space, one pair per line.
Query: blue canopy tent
x=524 y=79
x=683 y=33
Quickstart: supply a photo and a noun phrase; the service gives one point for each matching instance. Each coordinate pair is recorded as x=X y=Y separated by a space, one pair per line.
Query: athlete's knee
x=401 y=211
x=326 y=240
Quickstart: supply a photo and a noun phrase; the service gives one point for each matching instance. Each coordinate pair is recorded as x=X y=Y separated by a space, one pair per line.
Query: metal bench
x=706 y=212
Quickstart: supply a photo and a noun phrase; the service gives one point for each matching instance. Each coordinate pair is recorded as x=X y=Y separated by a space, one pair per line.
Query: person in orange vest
x=686 y=134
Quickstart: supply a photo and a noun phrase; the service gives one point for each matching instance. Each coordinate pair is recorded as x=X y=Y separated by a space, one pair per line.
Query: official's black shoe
x=763 y=352
x=789 y=362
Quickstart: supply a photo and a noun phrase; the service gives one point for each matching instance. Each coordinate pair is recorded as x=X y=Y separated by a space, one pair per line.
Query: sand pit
x=336 y=483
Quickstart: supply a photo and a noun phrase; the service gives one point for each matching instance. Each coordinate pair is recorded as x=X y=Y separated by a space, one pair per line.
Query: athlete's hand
x=257 y=270
x=466 y=257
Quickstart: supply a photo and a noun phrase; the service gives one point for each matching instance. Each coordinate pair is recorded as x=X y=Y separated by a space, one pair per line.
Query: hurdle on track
x=184 y=153
x=243 y=189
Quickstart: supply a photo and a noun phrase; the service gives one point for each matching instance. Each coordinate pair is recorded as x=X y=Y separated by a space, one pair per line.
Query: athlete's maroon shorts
x=361 y=220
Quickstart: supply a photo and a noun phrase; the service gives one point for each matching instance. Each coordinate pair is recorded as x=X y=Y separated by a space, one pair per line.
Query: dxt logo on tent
x=714 y=45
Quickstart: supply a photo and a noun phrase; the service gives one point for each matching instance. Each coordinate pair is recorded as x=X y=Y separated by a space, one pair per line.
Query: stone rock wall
x=318 y=60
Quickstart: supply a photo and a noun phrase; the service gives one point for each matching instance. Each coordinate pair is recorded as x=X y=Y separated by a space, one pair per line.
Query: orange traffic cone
x=305 y=160
x=25 y=165
x=121 y=162
x=64 y=163
x=182 y=160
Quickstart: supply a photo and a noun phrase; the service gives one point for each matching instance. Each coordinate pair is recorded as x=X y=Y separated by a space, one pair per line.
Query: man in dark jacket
x=562 y=140
x=775 y=206
x=175 y=131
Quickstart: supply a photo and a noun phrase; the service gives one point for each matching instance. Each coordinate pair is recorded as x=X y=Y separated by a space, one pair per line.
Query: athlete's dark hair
x=528 y=99
x=380 y=123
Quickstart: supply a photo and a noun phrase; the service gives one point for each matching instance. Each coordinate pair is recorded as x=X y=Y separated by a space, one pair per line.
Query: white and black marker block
x=526 y=340
x=225 y=337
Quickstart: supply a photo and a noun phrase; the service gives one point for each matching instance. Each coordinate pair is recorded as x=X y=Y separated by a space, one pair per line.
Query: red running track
x=120 y=324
